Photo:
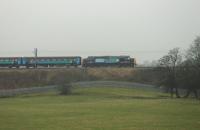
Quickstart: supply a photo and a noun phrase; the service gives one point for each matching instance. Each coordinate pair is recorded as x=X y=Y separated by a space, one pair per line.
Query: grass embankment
x=11 y=79
x=99 y=108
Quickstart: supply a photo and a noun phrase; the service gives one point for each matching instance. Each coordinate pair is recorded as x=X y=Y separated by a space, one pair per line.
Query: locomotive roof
x=107 y=56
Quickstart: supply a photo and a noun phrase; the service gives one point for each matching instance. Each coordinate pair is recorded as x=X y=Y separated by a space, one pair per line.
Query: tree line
x=179 y=72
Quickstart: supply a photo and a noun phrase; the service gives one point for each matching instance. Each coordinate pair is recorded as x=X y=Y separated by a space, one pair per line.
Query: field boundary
x=30 y=90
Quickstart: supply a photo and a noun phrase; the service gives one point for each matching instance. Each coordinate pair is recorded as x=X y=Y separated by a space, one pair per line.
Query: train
x=104 y=61
x=66 y=61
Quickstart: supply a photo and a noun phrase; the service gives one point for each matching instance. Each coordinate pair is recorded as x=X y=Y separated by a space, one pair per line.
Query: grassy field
x=99 y=108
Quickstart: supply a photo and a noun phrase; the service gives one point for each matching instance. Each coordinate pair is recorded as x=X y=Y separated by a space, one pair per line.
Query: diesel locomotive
x=75 y=61
x=104 y=61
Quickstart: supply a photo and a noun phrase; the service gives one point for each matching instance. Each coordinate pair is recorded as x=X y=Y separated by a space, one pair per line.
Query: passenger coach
x=27 y=62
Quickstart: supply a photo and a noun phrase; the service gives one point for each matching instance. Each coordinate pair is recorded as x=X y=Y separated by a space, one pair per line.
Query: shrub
x=65 y=89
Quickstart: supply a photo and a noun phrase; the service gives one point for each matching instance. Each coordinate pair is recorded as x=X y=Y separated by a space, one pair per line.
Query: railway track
x=41 y=68
x=71 y=68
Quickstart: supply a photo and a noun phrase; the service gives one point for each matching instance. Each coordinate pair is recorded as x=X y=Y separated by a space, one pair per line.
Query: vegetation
x=184 y=74
x=168 y=71
x=11 y=79
x=65 y=89
x=99 y=108
x=191 y=68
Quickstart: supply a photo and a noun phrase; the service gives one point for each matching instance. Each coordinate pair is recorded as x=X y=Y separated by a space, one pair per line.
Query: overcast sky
x=144 y=29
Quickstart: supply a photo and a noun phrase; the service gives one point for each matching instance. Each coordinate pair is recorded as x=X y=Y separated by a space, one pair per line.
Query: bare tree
x=168 y=65
x=192 y=68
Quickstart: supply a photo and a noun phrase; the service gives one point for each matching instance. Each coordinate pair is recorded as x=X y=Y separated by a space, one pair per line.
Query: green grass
x=99 y=108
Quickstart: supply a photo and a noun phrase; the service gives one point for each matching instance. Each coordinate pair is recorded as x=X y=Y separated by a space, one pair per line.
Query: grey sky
x=145 y=29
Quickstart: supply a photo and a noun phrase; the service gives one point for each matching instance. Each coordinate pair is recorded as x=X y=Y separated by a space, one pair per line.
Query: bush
x=65 y=89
